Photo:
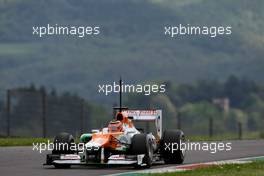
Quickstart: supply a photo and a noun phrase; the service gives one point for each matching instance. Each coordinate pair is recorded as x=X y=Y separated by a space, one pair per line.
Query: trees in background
x=195 y=105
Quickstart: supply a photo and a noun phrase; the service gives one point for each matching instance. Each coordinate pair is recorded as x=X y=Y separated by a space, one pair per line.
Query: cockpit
x=115 y=126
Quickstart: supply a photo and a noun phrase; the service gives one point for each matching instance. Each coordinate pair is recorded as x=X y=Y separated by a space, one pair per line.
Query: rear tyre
x=62 y=145
x=142 y=144
x=172 y=138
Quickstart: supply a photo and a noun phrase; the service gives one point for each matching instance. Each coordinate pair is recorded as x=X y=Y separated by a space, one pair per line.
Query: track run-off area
x=23 y=161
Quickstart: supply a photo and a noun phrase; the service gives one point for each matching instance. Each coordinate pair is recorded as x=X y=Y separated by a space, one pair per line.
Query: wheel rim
x=150 y=154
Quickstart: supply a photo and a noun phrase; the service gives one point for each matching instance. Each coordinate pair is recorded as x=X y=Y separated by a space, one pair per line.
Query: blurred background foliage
x=195 y=103
x=196 y=69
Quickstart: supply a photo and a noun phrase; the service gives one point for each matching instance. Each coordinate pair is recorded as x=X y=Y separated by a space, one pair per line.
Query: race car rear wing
x=148 y=116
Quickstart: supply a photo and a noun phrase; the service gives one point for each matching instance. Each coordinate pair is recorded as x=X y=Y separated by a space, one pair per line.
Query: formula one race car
x=121 y=143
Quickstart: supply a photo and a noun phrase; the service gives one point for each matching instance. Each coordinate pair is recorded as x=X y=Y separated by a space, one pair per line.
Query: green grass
x=21 y=141
x=17 y=49
x=226 y=136
x=251 y=169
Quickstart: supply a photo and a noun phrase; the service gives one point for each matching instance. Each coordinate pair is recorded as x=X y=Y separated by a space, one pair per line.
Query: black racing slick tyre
x=170 y=146
x=62 y=145
x=142 y=144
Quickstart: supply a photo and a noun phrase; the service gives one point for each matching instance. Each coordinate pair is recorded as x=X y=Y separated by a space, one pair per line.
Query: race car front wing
x=75 y=159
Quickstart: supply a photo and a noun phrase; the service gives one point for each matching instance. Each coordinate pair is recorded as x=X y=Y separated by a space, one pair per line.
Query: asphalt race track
x=23 y=161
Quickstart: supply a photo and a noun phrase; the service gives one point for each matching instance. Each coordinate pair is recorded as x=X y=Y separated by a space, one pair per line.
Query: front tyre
x=62 y=145
x=142 y=144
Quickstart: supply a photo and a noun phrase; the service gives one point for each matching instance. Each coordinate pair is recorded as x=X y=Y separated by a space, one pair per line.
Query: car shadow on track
x=104 y=167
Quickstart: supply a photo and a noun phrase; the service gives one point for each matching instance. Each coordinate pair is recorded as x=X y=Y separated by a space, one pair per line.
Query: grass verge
x=226 y=136
x=255 y=168
x=21 y=141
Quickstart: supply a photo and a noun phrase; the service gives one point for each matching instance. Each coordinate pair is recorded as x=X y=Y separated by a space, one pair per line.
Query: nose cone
x=99 y=140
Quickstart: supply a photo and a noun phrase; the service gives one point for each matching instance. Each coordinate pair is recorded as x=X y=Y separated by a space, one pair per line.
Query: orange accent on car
x=107 y=140
x=115 y=129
